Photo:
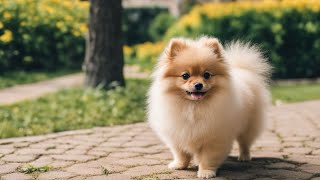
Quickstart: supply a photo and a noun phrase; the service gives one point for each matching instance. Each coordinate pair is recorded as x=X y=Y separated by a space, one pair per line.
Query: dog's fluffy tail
x=249 y=57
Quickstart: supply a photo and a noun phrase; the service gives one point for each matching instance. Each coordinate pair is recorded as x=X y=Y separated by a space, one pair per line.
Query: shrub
x=288 y=31
x=160 y=25
x=42 y=34
x=50 y=34
x=136 y=22
x=144 y=55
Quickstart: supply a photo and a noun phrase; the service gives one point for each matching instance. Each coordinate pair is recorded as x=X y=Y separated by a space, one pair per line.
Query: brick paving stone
x=141 y=150
x=281 y=165
x=236 y=175
x=162 y=156
x=147 y=170
x=18 y=158
x=42 y=161
x=60 y=164
x=288 y=149
x=76 y=151
x=18 y=176
x=32 y=151
x=55 y=175
x=69 y=157
x=110 y=177
x=298 y=150
x=316 y=152
x=76 y=178
x=6 y=150
x=185 y=174
x=310 y=168
x=83 y=170
x=287 y=174
x=124 y=154
x=104 y=164
x=8 y=168
x=139 y=144
x=136 y=161
x=97 y=153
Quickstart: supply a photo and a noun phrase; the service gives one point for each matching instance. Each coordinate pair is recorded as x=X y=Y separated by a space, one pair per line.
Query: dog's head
x=194 y=69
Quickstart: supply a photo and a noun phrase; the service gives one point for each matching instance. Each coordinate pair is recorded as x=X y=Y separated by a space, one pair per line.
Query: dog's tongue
x=197 y=95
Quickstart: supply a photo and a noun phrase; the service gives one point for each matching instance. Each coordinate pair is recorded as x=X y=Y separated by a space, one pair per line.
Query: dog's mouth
x=196 y=95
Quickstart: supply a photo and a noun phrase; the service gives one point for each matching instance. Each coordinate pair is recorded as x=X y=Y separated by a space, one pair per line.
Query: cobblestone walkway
x=33 y=90
x=289 y=149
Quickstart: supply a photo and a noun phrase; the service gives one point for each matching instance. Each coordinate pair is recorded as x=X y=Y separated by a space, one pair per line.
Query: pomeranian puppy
x=204 y=96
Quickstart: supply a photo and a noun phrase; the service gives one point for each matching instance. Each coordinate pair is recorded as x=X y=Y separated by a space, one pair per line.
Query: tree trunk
x=104 y=57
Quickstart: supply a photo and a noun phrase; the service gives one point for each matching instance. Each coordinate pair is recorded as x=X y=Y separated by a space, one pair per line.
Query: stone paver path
x=29 y=91
x=288 y=149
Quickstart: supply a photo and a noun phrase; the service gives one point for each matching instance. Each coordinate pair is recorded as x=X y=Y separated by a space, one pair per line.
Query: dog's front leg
x=211 y=157
x=181 y=159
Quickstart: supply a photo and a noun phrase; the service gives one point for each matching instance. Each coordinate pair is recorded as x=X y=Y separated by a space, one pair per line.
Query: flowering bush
x=42 y=33
x=145 y=55
x=288 y=31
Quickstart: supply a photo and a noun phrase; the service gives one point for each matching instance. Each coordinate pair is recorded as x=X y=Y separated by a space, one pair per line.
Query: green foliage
x=28 y=169
x=42 y=34
x=296 y=93
x=160 y=25
x=50 y=34
x=8 y=79
x=75 y=109
x=136 y=22
x=288 y=32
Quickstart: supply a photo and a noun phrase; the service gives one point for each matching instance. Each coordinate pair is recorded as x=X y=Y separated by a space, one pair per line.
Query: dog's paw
x=205 y=174
x=244 y=157
x=177 y=166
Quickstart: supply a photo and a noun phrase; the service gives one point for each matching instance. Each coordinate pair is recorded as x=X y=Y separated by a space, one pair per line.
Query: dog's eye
x=185 y=76
x=206 y=75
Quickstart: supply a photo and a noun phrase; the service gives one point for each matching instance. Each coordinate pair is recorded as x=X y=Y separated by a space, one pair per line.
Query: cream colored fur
x=205 y=131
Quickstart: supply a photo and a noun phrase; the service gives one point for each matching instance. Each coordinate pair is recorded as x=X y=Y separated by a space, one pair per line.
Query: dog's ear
x=175 y=46
x=214 y=44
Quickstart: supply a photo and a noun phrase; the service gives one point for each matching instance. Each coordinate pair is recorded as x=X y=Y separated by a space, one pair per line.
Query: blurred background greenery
x=38 y=34
x=42 y=39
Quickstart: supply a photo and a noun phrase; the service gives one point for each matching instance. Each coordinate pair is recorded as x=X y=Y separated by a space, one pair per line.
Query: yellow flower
x=7 y=15
x=1 y=25
x=68 y=18
x=59 y=24
x=127 y=50
x=83 y=28
x=6 y=37
x=48 y=9
x=76 y=33
x=23 y=23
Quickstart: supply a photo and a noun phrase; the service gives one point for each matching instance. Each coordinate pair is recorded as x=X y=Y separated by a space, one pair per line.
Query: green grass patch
x=295 y=93
x=85 y=108
x=75 y=109
x=23 y=77
x=28 y=169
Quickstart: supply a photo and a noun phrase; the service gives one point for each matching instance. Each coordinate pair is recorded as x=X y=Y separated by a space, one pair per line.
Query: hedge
x=42 y=34
x=288 y=32
x=50 y=34
x=137 y=21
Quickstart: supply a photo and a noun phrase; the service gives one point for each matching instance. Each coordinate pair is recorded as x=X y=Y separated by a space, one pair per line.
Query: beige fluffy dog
x=203 y=97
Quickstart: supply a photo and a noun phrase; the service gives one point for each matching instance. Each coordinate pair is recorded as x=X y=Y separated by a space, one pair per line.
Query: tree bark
x=104 y=57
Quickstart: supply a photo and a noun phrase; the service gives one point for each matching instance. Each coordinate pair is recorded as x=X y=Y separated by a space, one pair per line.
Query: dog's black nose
x=198 y=86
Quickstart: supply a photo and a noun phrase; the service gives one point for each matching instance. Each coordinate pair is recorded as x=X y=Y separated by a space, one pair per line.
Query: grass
x=295 y=93
x=23 y=77
x=75 y=109
x=28 y=169
x=78 y=108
